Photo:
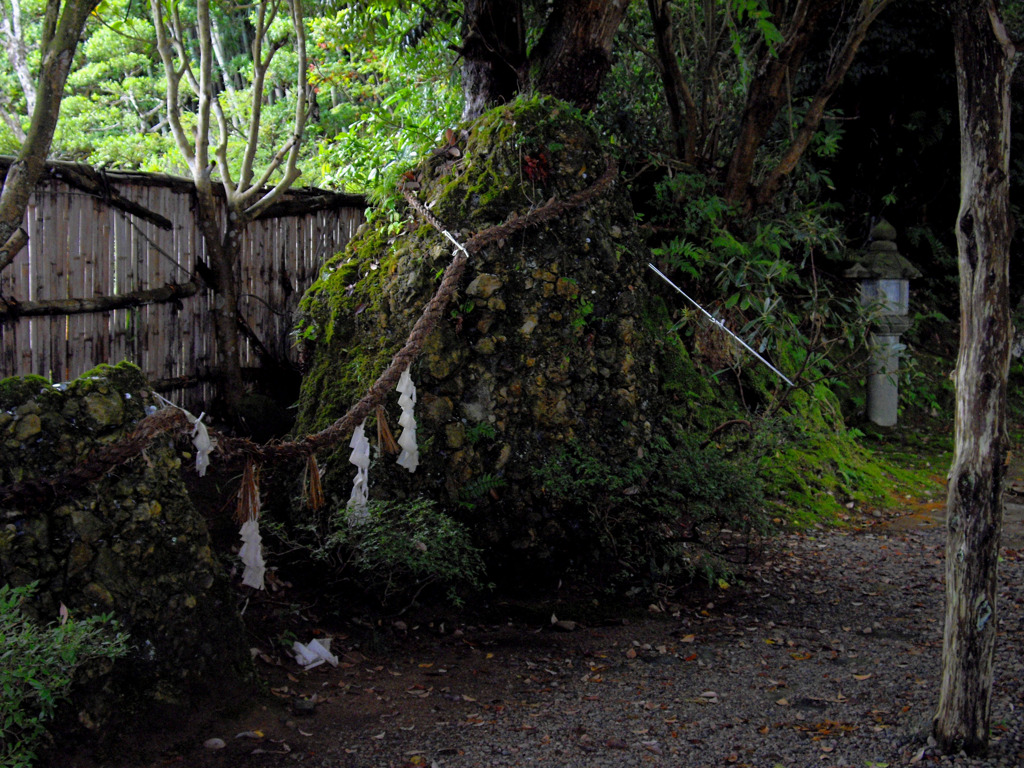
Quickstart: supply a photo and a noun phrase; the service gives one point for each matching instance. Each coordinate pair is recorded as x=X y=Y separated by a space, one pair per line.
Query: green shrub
x=393 y=550
x=681 y=510
x=38 y=666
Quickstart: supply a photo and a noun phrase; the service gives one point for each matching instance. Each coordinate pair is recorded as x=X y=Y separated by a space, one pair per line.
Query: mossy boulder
x=132 y=544
x=544 y=345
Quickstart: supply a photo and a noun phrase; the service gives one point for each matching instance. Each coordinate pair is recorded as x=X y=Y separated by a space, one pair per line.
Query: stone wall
x=132 y=544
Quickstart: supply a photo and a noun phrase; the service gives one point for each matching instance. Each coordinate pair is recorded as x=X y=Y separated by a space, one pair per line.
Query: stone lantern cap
x=881 y=258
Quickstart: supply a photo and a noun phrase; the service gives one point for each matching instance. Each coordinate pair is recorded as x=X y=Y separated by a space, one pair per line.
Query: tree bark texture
x=494 y=54
x=569 y=61
x=62 y=28
x=984 y=62
x=574 y=52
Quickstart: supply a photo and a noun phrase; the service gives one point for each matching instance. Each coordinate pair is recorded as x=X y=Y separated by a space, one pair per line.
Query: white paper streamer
x=361 y=485
x=202 y=442
x=201 y=439
x=410 y=455
x=251 y=554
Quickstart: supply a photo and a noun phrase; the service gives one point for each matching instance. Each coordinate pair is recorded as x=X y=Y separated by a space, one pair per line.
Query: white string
x=721 y=325
x=458 y=246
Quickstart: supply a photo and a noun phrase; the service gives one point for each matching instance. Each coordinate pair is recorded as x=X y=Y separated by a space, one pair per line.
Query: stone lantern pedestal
x=884 y=277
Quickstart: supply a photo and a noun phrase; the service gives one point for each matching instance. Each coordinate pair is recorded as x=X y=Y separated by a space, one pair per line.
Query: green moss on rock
x=541 y=346
x=132 y=543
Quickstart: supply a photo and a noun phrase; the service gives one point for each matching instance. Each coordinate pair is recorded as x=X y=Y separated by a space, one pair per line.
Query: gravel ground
x=828 y=656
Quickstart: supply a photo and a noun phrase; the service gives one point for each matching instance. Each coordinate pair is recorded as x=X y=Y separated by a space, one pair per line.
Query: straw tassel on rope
x=314 y=490
x=247 y=513
x=385 y=439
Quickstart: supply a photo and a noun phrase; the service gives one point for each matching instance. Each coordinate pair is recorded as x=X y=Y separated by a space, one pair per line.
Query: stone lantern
x=884 y=277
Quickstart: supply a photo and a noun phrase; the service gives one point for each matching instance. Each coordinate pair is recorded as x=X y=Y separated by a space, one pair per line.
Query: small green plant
x=482 y=431
x=584 y=310
x=479 y=487
x=392 y=551
x=38 y=666
x=682 y=510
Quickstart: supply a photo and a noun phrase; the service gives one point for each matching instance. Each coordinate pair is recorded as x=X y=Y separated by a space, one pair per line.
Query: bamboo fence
x=88 y=244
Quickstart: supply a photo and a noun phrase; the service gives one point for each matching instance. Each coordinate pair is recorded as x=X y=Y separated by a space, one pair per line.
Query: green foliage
x=392 y=551
x=479 y=487
x=38 y=666
x=681 y=510
x=767 y=275
x=387 y=86
x=483 y=430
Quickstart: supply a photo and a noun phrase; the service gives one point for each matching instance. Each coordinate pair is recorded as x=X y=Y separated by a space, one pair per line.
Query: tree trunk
x=767 y=94
x=682 y=112
x=984 y=60
x=221 y=254
x=575 y=50
x=569 y=61
x=494 y=53
x=62 y=28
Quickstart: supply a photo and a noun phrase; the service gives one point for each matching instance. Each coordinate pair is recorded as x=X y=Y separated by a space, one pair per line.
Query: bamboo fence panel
x=81 y=246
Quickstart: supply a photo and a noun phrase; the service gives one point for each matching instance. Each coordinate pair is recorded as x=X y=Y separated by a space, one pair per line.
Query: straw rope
x=173 y=421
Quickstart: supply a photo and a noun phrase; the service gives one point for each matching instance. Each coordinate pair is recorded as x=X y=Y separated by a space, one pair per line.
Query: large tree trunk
x=574 y=53
x=984 y=60
x=569 y=61
x=494 y=52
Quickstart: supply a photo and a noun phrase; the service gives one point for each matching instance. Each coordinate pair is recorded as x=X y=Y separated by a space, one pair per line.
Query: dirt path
x=828 y=656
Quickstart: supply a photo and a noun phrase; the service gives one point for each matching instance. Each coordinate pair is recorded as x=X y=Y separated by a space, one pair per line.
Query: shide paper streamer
x=360 y=446
x=410 y=456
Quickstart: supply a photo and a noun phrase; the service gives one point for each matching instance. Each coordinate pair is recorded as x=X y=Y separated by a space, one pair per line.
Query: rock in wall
x=131 y=544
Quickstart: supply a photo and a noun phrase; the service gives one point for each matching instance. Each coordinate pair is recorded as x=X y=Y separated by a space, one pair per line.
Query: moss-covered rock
x=544 y=346
x=132 y=544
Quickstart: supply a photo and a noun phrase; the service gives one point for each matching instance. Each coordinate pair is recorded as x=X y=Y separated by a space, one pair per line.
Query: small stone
x=565 y=626
x=104 y=410
x=28 y=426
x=483 y=285
x=455 y=435
x=214 y=744
x=304 y=707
